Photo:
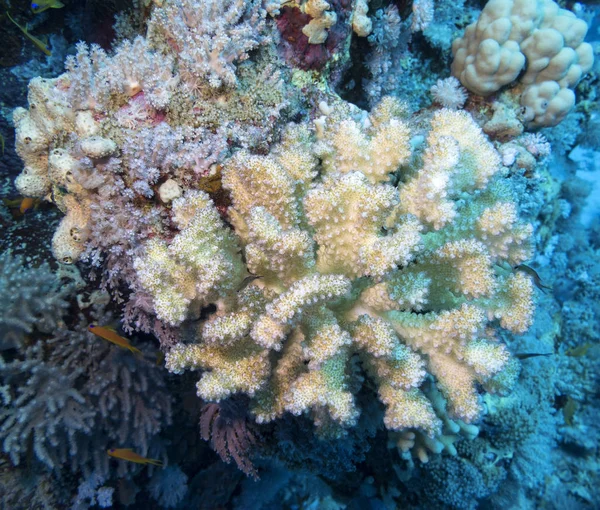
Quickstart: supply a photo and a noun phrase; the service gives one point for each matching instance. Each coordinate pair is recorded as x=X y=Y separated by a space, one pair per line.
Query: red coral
x=226 y=427
x=295 y=46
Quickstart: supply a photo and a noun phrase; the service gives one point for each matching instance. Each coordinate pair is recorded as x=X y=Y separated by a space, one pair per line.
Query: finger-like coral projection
x=200 y=261
x=371 y=259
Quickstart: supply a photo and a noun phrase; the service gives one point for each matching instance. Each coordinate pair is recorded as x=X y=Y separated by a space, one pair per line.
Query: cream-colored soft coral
x=322 y=19
x=353 y=281
x=200 y=264
x=49 y=115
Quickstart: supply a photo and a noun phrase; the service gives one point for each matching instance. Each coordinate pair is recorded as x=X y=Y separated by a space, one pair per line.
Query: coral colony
x=300 y=254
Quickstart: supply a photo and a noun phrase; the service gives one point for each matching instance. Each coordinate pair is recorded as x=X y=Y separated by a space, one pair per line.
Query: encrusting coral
x=351 y=269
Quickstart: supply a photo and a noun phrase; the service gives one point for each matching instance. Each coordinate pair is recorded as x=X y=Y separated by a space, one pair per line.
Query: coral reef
x=314 y=31
x=209 y=38
x=332 y=240
x=103 y=139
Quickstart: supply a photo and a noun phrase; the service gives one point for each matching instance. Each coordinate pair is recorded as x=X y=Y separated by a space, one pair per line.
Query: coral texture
x=209 y=37
x=352 y=270
x=29 y=296
x=449 y=93
x=536 y=36
x=115 y=132
x=67 y=395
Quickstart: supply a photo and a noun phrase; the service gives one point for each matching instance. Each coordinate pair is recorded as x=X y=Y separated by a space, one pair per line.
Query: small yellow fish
x=44 y=5
x=26 y=204
x=569 y=411
x=113 y=337
x=160 y=358
x=131 y=456
x=41 y=45
x=579 y=351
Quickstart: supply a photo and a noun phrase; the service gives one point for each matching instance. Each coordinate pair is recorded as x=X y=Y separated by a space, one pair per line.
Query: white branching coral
x=288 y=265
x=210 y=37
x=200 y=263
x=97 y=79
x=350 y=267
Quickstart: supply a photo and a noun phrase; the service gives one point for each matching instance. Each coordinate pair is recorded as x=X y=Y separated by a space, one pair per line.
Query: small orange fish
x=131 y=456
x=26 y=204
x=113 y=337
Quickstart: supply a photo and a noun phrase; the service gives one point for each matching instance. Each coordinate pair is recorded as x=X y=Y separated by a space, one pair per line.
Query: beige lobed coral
x=536 y=36
x=356 y=268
